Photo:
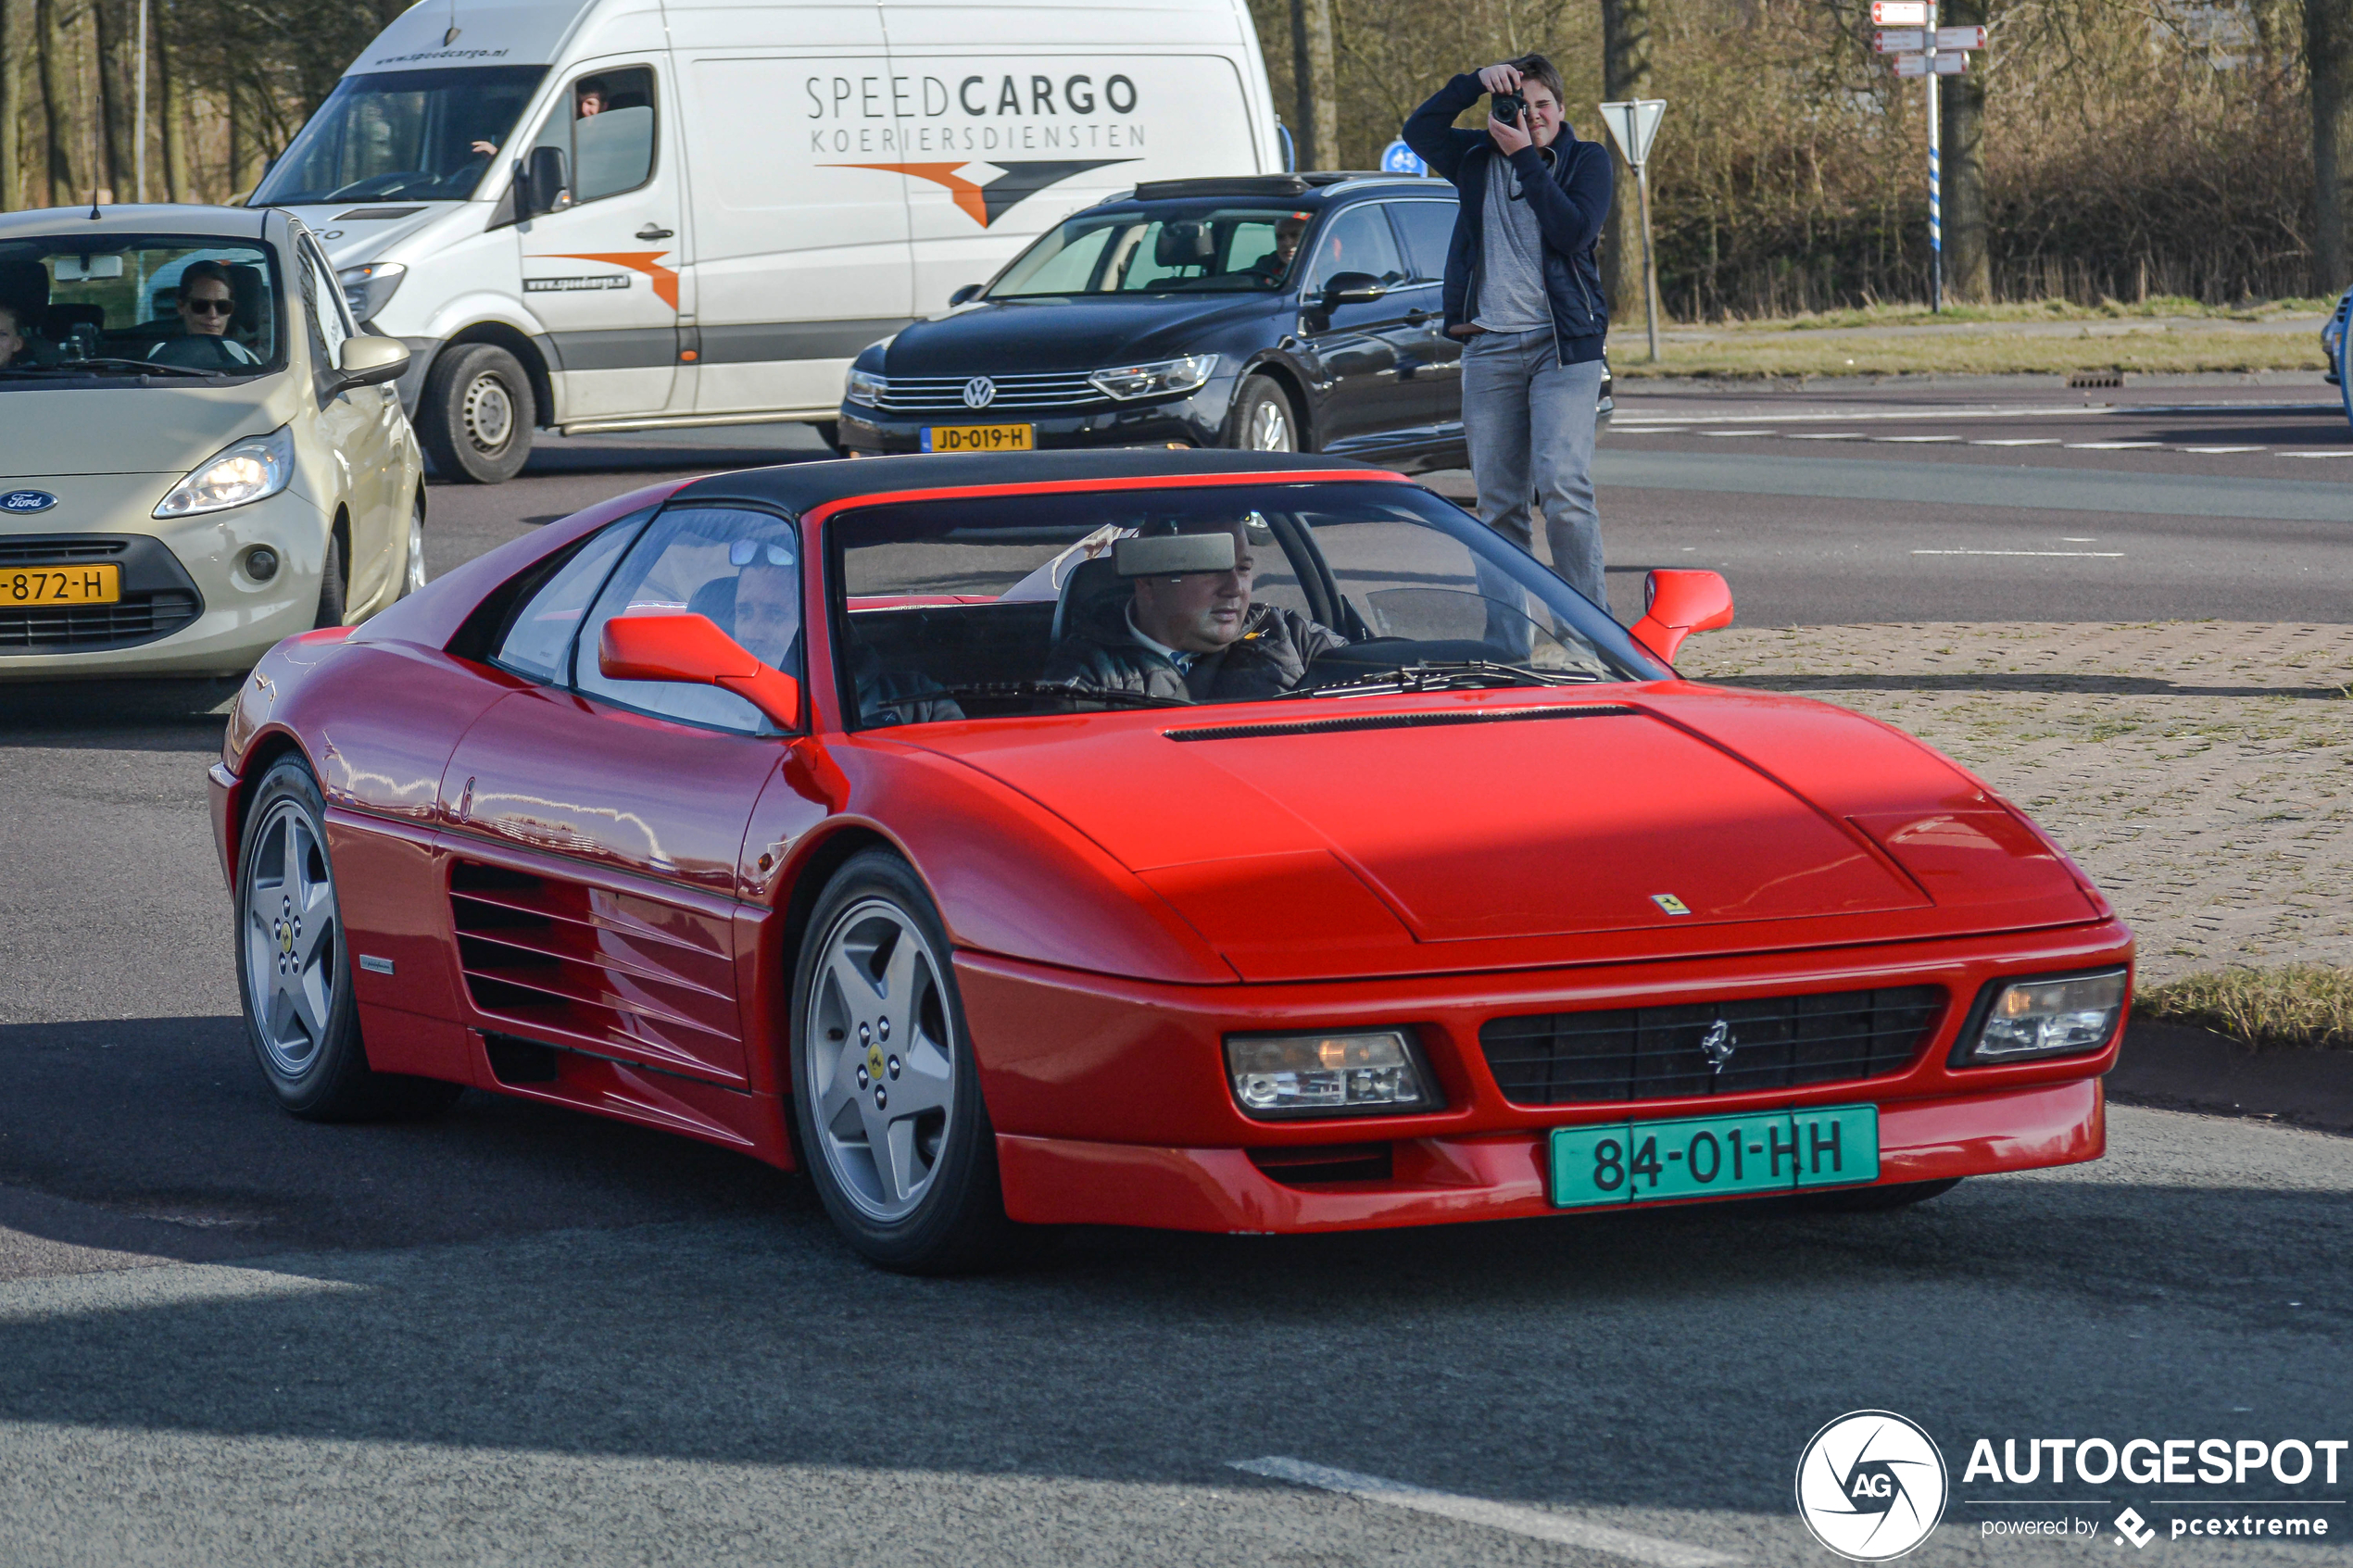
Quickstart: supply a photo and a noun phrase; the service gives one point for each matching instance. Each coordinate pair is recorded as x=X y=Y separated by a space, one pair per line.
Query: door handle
x=650 y=232
x=1416 y=315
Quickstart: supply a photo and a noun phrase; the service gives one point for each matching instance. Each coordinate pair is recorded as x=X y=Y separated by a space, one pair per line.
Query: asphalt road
x=516 y=1335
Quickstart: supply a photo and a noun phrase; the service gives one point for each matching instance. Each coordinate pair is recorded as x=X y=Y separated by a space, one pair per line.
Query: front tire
x=886 y=1099
x=334 y=586
x=1264 y=418
x=476 y=414
x=294 y=968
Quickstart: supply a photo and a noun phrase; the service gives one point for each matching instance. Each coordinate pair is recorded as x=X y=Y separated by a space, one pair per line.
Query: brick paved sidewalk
x=2200 y=771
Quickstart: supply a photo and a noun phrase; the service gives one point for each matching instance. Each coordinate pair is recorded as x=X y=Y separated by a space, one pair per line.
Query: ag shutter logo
x=1871 y=1486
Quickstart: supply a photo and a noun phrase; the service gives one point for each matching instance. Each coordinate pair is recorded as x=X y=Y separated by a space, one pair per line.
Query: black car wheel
x=1264 y=418
x=476 y=415
x=334 y=585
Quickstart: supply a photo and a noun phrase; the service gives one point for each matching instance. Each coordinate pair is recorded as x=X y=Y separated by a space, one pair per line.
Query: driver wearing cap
x=1188 y=629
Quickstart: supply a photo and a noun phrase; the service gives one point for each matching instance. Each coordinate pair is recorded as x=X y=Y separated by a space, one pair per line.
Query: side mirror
x=970 y=290
x=1351 y=288
x=540 y=181
x=1676 y=604
x=693 y=651
x=366 y=361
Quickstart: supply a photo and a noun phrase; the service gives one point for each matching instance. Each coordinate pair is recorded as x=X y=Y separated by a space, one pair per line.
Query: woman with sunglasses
x=207 y=301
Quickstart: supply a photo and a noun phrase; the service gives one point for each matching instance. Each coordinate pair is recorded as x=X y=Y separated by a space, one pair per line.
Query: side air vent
x=516 y=1060
x=1403 y=721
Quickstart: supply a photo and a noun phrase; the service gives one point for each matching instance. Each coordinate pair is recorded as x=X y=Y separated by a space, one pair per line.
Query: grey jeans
x=1529 y=422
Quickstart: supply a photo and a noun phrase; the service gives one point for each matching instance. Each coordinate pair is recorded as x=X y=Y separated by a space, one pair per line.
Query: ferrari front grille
x=1709 y=1048
x=138 y=618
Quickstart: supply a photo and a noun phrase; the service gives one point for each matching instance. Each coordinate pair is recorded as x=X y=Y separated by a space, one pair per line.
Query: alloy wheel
x=881 y=1061
x=291 y=938
x=412 y=575
x=488 y=410
x=1269 y=428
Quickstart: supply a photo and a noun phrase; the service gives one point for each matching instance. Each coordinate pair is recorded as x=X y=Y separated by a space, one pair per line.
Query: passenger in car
x=1194 y=636
x=762 y=610
x=11 y=335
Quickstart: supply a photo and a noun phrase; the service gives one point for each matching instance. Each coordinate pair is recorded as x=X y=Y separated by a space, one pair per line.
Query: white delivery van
x=624 y=214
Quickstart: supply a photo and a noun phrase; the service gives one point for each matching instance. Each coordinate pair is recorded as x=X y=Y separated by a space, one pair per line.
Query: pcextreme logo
x=1871 y=1486
x=986 y=191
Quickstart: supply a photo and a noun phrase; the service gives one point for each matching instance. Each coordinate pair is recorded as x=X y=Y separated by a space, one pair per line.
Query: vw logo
x=979 y=393
x=27 y=501
x=1718 y=1044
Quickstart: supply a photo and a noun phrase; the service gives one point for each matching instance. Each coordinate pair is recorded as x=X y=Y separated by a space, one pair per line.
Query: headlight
x=254 y=468
x=867 y=388
x=1167 y=377
x=1276 y=1076
x=369 y=289
x=2065 y=1015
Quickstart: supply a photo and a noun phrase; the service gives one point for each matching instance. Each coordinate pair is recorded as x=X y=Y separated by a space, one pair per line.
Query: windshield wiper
x=141 y=366
x=1115 y=697
x=1454 y=676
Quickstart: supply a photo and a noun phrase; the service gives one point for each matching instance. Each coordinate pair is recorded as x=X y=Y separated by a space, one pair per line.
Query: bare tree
x=1968 y=265
x=1626 y=73
x=1316 y=79
x=2328 y=56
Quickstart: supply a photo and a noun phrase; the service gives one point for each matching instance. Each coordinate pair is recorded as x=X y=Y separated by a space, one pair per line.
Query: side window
x=740 y=567
x=538 y=634
x=604 y=125
x=323 y=302
x=1356 y=240
x=1426 y=227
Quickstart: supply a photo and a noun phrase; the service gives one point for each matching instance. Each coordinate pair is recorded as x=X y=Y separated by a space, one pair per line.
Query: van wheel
x=476 y=414
x=1263 y=420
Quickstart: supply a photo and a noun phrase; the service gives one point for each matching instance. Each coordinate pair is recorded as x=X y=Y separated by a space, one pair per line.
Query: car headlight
x=369 y=289
x=1278 y=1077
x=256 y=467
x=2061 y=1015
x=866 y=387
x=1160 y=380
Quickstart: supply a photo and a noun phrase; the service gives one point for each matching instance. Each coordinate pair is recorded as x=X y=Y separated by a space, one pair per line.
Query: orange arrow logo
x=665 y=279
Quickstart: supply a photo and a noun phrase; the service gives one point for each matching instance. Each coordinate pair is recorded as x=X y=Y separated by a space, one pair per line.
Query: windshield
x=164 y=306
x=403 y=135
x=1003 y=606
x=1225 y=250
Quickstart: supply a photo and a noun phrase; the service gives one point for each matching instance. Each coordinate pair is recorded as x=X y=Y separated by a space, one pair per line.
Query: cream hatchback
x=199 y=453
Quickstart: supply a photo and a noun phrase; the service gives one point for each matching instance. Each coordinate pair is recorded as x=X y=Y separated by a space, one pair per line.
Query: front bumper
x=238 y=619
x=1111 y=1106
x=1195 y=420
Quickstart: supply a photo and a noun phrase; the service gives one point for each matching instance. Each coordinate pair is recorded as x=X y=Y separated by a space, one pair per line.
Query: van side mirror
x=366 y=361
x=970 y=290
x=1676 y=604
x=692 y=650
x=540 y=181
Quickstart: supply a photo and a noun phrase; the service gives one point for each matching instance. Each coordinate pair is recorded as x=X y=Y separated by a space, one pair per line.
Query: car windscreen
x=991 y=607
x=403 y=135
x=166 y=307
x=1202 y=250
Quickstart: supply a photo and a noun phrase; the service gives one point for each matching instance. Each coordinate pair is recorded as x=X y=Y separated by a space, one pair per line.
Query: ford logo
x=27 y=501
x=979 y=393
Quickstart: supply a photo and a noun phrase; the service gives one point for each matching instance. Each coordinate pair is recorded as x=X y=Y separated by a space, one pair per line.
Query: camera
x=1509 y=106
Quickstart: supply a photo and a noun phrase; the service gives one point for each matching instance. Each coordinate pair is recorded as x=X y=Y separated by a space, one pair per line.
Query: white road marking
x=2091 y=555
x=2345 y=454
x=1915 y=438
x=2020 y=441
x=1730 y=433
x=1530 y=1522
x=1827 y=435
x=2109 y=446
x=2221 y=448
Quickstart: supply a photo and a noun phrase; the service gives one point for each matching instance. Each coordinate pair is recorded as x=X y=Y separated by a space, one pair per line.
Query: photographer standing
x=1524 y=290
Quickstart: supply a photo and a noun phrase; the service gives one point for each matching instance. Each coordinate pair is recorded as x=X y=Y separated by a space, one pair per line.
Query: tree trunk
x=1968 y=263
x=2328 y=54
x=11 y=110
x=172 y=116
x=1316 y=134
x=1626 y=73
x=114 y=103
x=56 y=100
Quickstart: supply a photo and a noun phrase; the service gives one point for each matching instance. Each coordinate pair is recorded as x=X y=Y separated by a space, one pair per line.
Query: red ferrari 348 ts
x=1202 y=840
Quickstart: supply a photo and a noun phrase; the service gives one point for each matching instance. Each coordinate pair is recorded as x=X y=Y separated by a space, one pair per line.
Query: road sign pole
x=1936 y=180
x=1650 y=263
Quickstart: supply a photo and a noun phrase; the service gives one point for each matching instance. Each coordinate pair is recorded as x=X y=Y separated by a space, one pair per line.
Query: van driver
x=1192 y=635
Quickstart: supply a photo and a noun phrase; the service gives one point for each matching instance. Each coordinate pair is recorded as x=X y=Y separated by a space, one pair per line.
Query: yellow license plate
x=980 y=438
x=100 y=585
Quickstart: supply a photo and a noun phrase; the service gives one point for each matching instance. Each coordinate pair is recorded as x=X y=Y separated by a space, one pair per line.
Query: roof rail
x=1254 y=184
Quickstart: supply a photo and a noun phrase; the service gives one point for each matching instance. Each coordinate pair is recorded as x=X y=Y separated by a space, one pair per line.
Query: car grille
x=1661 y=1052
x=46 y=551
x=945 y=394
x=138 y=618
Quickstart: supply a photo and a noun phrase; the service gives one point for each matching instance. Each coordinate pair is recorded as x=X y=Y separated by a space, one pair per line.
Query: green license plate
x=1715 y=1155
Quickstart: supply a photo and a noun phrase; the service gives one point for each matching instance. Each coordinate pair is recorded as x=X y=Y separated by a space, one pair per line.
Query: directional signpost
x=1908 y=31
x=1631 y=126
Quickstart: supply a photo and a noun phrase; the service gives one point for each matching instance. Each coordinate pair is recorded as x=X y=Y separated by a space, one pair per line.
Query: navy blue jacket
x=1570 y=200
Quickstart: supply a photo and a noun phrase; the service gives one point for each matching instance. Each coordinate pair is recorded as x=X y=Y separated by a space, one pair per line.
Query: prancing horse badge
x=1671 y=903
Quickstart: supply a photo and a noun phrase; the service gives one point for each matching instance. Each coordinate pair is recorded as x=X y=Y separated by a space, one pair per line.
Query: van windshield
x=403 y=135
x=1225 y=250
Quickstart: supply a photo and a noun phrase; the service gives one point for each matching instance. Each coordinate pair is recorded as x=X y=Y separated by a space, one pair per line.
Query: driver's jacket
x=1273 y=653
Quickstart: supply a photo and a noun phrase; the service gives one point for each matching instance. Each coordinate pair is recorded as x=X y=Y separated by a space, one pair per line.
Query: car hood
x=1031 y=336
x=1520 y=829
x=46 y=434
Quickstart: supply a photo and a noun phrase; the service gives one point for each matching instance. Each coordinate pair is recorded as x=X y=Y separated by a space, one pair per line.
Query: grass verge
x=2294 y=1004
